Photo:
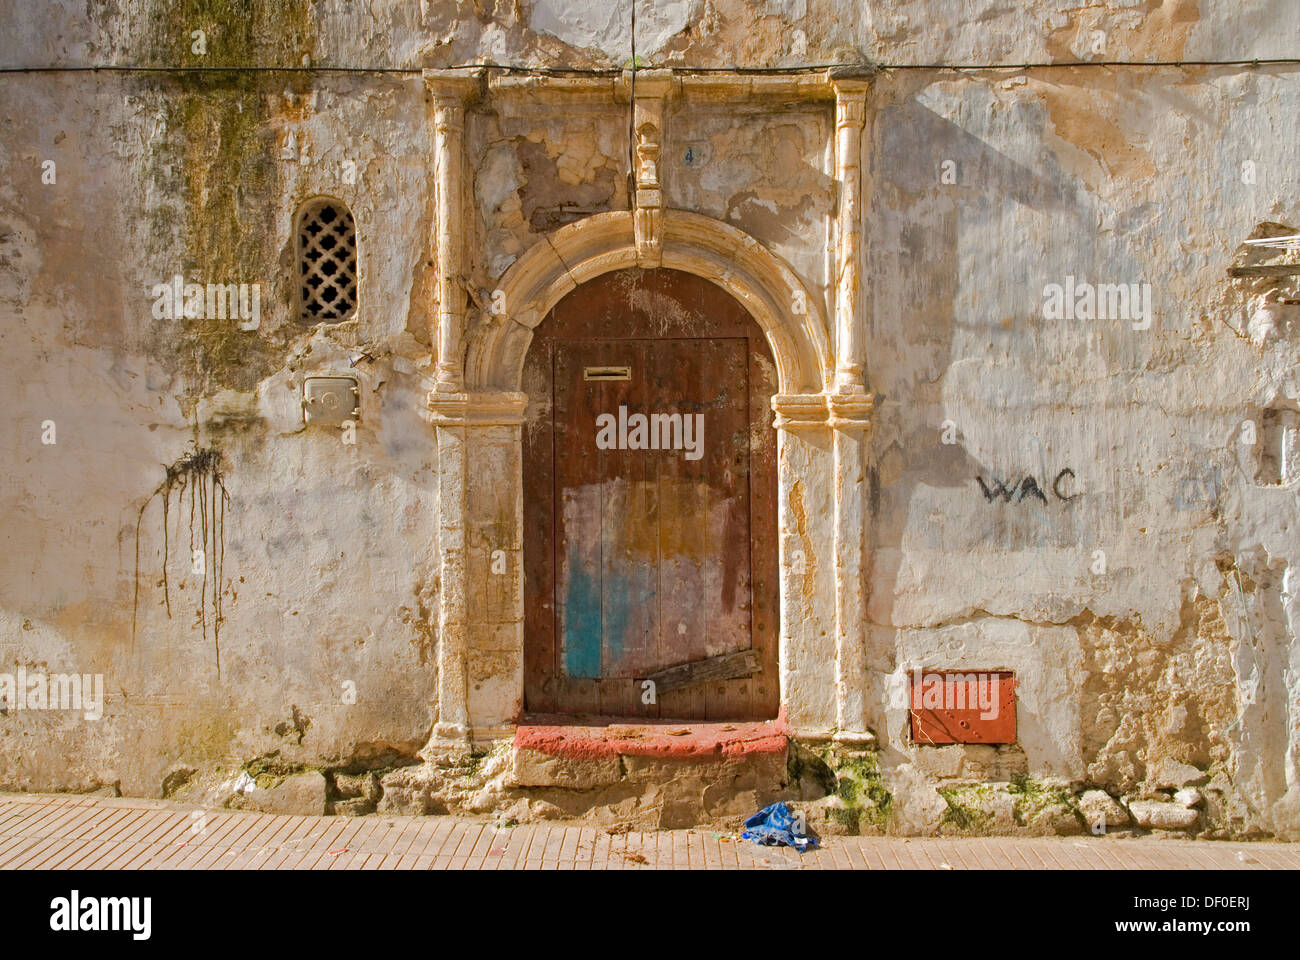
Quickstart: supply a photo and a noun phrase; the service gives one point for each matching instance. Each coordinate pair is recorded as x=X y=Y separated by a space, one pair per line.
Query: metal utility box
x=963 y=706
x=330 y=400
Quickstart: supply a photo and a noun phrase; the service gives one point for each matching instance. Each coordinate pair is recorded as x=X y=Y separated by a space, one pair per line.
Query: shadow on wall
x=947 y=273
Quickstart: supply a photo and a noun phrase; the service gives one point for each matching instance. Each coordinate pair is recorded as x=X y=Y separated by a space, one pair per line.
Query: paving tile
x=444 y=834
x=275 y=842
x=290 y=843
x=156 y=842
x=36 y=841
x=343 y=848
x=1136 y=852
x=373 y=830
x=255 y=840
x=208 y=856
x=122 y=846
x=1270 y=856
x=483 y=843
x=554 y=841
x=48 y=824
x=317 y=854
x=98 y=839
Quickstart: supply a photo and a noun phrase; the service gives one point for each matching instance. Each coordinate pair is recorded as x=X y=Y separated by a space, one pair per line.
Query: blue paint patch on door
x=615 y=615
x=582 y=620
x=595 y=627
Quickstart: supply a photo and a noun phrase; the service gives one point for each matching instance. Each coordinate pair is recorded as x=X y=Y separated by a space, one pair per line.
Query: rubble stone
x=1155 y=815
x=1102 y=812
x=299 y=793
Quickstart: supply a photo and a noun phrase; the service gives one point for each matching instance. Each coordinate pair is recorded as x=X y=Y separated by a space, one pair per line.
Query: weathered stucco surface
x=1147 y=600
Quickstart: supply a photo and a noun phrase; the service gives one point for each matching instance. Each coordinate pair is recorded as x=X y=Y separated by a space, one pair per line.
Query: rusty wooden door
x=650 y=503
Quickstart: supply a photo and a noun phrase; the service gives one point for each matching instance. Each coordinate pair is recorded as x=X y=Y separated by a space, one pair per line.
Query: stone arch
x=693 y=243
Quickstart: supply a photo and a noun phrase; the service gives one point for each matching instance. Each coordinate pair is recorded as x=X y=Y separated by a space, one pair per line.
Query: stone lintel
x=668 y=83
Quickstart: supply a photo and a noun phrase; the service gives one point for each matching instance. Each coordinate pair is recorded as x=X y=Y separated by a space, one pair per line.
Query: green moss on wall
x=238 y=33
x=853 y=776
x=215 y=178
x=1033 y=800
x=968 y=808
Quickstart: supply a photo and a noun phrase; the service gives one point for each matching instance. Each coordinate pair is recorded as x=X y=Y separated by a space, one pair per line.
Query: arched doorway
x=649 y=495
x=481 y=477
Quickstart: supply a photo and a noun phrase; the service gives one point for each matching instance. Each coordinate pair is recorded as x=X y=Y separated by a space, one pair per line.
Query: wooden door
x=649 y=503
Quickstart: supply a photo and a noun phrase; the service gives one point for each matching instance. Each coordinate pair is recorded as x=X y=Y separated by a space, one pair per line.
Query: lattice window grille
x=327 y=262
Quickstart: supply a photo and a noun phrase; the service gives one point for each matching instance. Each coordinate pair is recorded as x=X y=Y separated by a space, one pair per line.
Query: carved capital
x=850 y=102
x=452 y=88
x=495 y=409
x=800 y=411
x=448 y=118
x=653 y=84
x=851 y=411
x=850 y=86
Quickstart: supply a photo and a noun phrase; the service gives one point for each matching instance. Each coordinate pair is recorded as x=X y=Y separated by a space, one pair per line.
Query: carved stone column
x=850 y=116
x=822 y=526
x=850 y=412
x=448 y=92
x=451 y=726
x=651 y=89
x=805 y=506
x=850 y=422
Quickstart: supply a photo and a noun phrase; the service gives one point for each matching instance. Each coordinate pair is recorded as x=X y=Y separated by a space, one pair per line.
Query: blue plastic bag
x=774 y=826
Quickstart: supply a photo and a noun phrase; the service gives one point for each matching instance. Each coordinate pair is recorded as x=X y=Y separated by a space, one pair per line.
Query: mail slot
x=607 y=373
x=963 y=706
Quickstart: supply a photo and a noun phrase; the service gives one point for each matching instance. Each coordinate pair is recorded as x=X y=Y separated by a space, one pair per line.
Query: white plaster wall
x=329 y=570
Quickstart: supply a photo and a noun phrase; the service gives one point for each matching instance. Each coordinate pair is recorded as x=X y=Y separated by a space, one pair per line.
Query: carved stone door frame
x=823 y=409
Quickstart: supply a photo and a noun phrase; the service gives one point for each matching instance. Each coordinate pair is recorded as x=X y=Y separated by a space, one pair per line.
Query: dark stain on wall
x=199 y=474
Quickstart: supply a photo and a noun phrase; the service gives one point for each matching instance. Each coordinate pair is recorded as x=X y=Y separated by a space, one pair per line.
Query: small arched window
x=327 y=262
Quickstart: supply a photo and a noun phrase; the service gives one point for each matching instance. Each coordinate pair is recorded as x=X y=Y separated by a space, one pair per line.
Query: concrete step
x=663 y=774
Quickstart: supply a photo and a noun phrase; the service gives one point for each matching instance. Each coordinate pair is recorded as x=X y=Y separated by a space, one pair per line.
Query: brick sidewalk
x=101 y=833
